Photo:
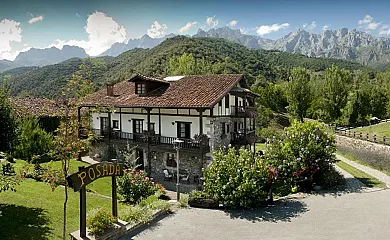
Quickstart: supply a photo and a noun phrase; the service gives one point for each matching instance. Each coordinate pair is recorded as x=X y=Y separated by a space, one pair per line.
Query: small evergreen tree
x=8 y=124
x=32 y=140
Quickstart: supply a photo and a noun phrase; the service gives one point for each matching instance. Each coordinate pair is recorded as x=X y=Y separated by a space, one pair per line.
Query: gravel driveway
x=349 y=216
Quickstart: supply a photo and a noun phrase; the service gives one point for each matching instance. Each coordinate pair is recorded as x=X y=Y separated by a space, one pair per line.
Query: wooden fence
x=367 y=137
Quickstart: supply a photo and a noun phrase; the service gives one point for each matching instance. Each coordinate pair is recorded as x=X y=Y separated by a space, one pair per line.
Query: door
x=140 y=159
x=103 y=125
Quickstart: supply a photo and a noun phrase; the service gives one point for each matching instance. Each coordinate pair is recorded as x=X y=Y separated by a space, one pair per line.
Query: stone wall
x=217 y=138
x=189 y=161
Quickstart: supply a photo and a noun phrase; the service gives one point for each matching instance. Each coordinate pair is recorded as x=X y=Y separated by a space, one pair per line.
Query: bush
x=99 y=220
x=136 y=214
x=238 y=180
x=201 y=199
x=32 y=140
x=134 y=185
x=183 y=202
x=154 y=203
x=303 y=156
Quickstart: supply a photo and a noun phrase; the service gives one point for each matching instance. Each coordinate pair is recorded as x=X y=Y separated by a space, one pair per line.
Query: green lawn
x=381 y=129
x=260 y=146
x=366 y=179
x=35 y=212
x=100 y=186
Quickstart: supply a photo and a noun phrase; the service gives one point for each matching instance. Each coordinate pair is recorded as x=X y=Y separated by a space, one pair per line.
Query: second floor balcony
x=156 y=140
x=243 y=139
x=243 y=111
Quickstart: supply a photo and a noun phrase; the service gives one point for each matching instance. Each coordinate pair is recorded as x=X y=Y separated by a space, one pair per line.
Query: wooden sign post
x=78 y=181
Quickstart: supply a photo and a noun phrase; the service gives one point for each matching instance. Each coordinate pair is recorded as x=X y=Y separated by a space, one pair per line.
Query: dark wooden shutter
x=188 y=130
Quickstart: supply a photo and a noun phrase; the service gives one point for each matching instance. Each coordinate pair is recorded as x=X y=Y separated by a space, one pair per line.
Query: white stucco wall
x=167 y=128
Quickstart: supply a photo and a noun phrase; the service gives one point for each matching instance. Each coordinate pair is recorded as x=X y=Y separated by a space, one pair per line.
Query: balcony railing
x=241 y=111
x=155 y=139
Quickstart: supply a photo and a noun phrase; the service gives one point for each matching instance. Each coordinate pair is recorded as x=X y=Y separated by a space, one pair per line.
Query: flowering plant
x=238 y=180
x=134 y=185
x=304 y=153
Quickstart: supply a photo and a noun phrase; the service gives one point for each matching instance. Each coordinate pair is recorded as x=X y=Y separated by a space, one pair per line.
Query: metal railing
x=155 y=139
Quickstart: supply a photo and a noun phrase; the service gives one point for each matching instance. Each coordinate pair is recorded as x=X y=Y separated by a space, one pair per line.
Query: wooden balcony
x=241 y=139
x=241 y=111
x=155 y=140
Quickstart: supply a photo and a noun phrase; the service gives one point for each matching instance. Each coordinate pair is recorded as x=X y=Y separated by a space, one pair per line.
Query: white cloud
x=35 y=19
x=384 y=30
x=310 y=27
x=243 y=30
x=77 y=15
x=233 y=23
x=368 y=23
x=157 y=30
x=212 y=21
x=102 y=31
x=187 y=27
x=267 y=29
x=10 y=32
x=325 y=27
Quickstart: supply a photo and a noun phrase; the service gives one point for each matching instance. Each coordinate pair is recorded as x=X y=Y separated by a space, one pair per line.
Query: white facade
x=169 y=118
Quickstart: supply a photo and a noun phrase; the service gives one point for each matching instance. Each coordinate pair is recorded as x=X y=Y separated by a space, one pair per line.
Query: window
x=220 y=103
x=183 y=130
x=141 y=88
x=137 y=125
x=171 y=160
x=115 y=123
x=227 y=101
x=227 y=128
x=152 y=127
x=223 y=128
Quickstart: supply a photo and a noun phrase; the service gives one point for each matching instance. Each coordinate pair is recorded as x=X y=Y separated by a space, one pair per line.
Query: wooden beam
x=149 y=156
x=159 y=122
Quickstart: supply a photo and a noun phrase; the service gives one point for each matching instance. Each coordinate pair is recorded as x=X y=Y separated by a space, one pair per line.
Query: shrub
x=183 y=202
x=238 y=180
x=303 y=156
x=154 y=203
x=136 y=214
x=32 y=140
x=134 y=185
x=99 y=220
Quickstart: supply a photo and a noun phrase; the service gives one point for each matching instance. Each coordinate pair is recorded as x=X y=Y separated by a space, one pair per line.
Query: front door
x=104 y=125
x=140 y=159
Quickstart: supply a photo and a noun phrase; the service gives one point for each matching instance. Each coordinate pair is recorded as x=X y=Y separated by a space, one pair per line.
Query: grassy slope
x=366 y=179
x=35 y=212
x=100 y=186
x=381 y=129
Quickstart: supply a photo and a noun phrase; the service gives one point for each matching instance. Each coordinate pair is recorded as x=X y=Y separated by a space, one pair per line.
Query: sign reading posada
x=89 y=174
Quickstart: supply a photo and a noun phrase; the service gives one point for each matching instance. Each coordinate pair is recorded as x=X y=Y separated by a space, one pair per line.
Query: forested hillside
x=257 y=65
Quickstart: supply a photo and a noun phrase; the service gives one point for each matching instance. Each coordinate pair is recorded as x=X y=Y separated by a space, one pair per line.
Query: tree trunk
x=65 y=202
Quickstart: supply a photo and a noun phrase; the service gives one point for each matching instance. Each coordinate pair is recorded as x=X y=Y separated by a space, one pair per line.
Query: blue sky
x=96 y=25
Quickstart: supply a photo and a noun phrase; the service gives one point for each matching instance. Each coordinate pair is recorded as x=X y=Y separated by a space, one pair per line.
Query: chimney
x=110 y=90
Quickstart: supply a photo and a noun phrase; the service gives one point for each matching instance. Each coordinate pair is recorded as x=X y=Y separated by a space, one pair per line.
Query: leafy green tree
x=336 y=88
x=298 y=92
x=272 y=96
x=183 y=65
x=8 y=122
x=32 y=140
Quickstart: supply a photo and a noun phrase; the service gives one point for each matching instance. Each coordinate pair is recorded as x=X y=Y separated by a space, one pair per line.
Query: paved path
x=346 y=216
x=370 y=171
x=351 y=183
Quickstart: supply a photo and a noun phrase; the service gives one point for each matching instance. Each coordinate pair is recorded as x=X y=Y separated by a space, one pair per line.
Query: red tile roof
x=38 y=107
x=194 y=91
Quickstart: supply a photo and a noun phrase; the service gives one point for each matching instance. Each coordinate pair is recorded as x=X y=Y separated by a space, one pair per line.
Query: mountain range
x=259 y=66
x=352 y=45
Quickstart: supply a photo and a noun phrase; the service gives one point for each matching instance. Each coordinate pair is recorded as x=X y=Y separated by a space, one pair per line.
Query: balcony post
x=120 y=121
x=148 y=136
x=201 y=138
